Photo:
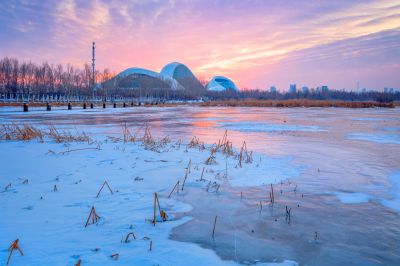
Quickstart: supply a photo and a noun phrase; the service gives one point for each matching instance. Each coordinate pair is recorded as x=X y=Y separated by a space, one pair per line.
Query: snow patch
x=276 y=169
x=352 y=197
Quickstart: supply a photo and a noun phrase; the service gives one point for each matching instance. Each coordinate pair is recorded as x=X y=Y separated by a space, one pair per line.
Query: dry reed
x=14 y=246
x=162 y=213
x=272 y=195
x=213 y=231
x=175 y=187
x=196 y=143
x=94 y=216
x=115 y=256
x=108 y=186
x=128 y=235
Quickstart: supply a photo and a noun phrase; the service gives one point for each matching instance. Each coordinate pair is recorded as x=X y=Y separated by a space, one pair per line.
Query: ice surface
x=375 y=137
x=248 y=126
x=391 y=128
x=394 y=192
x=373 y=119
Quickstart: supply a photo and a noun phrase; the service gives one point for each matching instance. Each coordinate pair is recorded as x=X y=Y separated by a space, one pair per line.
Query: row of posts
x=85 y=105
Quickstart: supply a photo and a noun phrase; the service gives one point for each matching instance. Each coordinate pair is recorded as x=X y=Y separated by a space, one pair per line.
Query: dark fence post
x=26 y=108
x=48 y=107
x=69 y=106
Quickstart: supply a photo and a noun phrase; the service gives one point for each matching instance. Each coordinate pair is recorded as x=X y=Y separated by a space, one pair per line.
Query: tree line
x=313 y=94
x=29 y=78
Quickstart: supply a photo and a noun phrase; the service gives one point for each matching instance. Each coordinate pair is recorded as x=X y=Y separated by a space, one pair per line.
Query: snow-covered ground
x=352 y=198
x=48 y=190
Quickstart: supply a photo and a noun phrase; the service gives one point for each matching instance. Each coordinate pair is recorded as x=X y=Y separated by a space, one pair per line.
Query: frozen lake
x=338 y=169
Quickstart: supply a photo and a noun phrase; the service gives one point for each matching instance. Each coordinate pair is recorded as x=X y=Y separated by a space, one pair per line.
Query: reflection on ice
x=247 y=126
x=375 y=137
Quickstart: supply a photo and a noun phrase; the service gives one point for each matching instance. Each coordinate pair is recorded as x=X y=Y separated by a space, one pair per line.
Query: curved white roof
x=220 y=83
x=183 y=75
x=169 y=70
x=177 y=71
x=136 y=70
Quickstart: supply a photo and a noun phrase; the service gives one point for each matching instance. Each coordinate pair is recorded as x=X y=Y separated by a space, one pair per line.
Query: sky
x=256 y=43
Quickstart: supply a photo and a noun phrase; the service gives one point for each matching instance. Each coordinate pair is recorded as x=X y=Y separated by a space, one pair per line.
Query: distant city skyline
x=257 y=44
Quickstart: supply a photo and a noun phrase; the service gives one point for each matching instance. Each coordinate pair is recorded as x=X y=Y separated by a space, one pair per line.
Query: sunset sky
x=255 y=43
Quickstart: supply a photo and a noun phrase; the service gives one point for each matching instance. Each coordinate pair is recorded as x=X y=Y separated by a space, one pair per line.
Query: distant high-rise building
x=324 y=88
x=305 y=89
x=272 y=89
x=292 y=88
x=386 y=90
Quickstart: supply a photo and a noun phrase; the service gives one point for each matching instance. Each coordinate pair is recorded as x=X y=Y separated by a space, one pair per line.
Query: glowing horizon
x=255 y=43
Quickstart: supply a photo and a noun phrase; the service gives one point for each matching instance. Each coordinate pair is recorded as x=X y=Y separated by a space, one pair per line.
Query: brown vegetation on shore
x=240 y=103
x=297 y=103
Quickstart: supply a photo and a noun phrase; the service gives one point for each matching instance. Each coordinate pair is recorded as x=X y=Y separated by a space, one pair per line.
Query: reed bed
x=28 y=132
x=127 y=135
x=22 y=133
x=65 y=136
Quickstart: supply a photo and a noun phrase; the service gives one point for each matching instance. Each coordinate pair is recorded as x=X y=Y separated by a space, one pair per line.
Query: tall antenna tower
x=93 y=73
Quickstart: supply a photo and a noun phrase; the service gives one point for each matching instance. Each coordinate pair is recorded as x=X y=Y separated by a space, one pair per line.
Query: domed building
x=183 y=75
x=220 y=83
x=135 y=78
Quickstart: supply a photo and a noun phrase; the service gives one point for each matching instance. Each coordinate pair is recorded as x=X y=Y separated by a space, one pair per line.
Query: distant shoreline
x=299 y=103
x=235 y=103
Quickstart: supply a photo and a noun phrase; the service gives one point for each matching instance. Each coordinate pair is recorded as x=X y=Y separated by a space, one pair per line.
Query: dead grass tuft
x=65 y=136
x=196 y=143
x=23 y=133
